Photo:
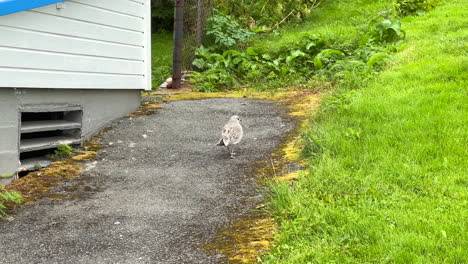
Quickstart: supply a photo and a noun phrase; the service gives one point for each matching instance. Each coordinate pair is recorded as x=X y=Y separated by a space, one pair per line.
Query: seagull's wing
x=236 y=134
x=227 y=135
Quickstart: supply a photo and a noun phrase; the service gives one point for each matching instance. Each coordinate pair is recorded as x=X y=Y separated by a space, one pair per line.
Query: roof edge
x=14 y=6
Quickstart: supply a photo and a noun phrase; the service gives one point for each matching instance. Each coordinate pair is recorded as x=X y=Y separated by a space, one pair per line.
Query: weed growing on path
x=62 y=151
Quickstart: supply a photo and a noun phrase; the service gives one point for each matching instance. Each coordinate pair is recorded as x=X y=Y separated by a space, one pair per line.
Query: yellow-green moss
x=293 y=175
x=246 y=240
x=84 y=156
x=39 y=184
x=92 y=145
x=146 y=108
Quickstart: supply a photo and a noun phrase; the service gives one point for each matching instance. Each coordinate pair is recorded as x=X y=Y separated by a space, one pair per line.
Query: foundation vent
x=43 y=128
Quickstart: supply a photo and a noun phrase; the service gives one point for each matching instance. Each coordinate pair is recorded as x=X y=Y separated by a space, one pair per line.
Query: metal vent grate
x=43 y=128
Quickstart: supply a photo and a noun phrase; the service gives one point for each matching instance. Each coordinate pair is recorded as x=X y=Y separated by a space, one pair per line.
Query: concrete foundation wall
x=8 y=131
x=99 y=108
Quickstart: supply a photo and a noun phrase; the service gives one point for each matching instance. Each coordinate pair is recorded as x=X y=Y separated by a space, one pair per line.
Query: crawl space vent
x=43 y=128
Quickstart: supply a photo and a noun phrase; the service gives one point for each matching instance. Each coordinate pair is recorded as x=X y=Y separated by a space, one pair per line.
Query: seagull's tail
x=221 y=143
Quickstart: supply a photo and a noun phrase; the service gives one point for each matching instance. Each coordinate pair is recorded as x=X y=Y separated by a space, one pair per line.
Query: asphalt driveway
x=157 y=192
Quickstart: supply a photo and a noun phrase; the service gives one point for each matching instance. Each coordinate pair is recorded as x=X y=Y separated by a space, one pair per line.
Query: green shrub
x=384 y=28
x=411 y=7
x=225 y=32
x=7 y=197
x=309 y=58
x=212 y=80
x=162 y=14
x=265 y=15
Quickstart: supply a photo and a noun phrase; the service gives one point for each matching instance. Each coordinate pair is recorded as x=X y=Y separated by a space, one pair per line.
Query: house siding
x=87 y=44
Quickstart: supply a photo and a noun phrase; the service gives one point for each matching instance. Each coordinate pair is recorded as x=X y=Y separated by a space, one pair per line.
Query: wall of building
x=80 y=44
x=8 y=132
x=100 y=107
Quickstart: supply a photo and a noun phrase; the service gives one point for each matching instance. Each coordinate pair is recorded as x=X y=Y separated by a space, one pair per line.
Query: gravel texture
x=157 y=192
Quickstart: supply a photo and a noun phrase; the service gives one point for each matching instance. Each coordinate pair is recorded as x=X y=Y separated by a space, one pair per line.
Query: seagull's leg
x=229 y=149
x=232 y=153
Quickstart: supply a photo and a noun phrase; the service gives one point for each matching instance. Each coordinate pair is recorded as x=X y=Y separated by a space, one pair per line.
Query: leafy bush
x=162 y=13
x=212 y=80
x=384 y=28
x=7 y=197
x=265 y=15
x=310 y=58
x=225 y=31
x=410 y=7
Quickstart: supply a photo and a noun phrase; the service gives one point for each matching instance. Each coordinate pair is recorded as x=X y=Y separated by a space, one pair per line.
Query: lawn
x=341 y=20
x=162 y=45
x=388 y=164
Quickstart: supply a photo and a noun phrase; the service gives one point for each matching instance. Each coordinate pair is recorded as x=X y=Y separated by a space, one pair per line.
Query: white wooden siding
x=68 y=80
x=88 y=44
x=20 y=38
x=124 y=7
x=33 y=59
x=80 y=12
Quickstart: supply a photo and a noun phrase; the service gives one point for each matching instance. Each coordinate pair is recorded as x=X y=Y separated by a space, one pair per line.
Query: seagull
x=232 y=134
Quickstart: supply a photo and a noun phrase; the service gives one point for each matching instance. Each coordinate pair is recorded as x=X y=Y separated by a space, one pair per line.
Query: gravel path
x=158 y=191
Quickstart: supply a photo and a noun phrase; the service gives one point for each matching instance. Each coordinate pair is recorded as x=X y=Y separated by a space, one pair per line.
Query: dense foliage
x=261 y=15
x=410 y=7
x=311 y=57
x=265 y=15
x=224 y=32
x=162 y=12
x=225 y=64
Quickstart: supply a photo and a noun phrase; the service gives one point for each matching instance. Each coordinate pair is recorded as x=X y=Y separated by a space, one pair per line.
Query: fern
x=8 y=197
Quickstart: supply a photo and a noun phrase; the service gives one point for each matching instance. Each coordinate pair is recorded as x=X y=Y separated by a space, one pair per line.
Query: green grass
x=341 y=20
x=389 y=165
x=162 y=45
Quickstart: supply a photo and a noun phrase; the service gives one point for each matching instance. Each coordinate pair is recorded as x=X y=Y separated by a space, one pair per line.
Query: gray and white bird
x=232 y=134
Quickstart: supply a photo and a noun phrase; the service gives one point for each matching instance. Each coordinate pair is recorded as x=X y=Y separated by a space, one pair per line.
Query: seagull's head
x=235 y=118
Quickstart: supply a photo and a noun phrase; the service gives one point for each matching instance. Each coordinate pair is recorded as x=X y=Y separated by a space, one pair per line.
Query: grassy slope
x=390 y=183
x=161 y=57
x=340 y=19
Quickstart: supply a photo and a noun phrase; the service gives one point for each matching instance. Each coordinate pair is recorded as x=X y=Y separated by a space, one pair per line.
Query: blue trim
x=13 y=6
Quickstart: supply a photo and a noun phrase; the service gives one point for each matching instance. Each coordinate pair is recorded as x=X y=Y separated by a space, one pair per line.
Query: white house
x=67 y=68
